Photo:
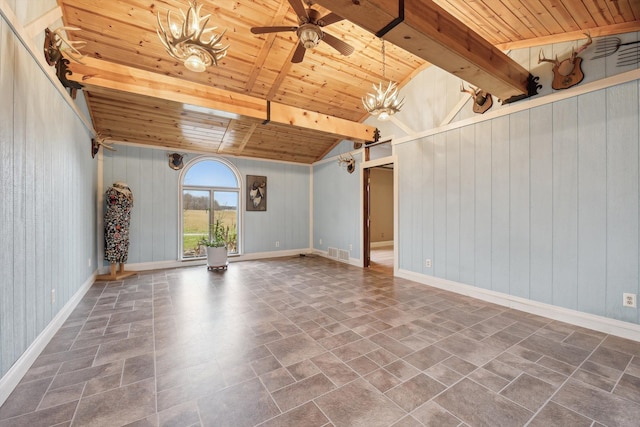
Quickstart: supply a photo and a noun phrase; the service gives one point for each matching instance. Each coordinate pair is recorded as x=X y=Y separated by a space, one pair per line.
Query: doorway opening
x=379 y=202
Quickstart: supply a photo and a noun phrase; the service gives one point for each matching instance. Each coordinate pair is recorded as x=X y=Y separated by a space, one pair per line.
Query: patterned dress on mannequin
x=119 y=201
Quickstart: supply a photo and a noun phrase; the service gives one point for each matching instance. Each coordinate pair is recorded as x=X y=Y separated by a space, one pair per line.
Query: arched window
x=210 y=195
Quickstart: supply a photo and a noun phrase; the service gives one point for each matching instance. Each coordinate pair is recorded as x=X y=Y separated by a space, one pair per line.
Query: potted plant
x=216 y=245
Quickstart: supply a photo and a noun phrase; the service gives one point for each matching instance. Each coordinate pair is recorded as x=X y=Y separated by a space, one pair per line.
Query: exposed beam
x=98 y=74
x=431 y=33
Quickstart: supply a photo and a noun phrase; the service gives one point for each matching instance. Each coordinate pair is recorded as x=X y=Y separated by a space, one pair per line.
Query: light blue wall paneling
x=592 y=203
x=541 y=191
x=519 y=210
x=155 y=217
x=500 y=190
x=555 y=191
x=47 y=201
x=484 y=223
x=622 y=197
x=336 y=207
x=565 y=203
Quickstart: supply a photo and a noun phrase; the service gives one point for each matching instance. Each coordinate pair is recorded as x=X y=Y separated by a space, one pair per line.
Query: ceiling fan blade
x=328 y=19
x=263 y=30
x=299 y=9
x=342 y=47
x=298 y=55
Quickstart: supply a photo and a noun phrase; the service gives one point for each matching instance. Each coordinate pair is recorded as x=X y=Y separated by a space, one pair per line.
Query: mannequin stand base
x=116 y=275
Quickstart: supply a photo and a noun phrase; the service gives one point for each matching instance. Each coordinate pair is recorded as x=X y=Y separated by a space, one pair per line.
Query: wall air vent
x=332 y=252
x=343 y=255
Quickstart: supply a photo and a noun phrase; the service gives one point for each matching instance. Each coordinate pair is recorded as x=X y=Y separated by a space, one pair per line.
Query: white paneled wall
x=47 y=201
x=539 y=204
x=155 y=217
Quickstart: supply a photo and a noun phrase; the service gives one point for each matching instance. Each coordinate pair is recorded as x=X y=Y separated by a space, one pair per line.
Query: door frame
x=365 y=169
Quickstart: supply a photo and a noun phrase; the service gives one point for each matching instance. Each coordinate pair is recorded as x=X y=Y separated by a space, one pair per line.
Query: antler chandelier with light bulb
x=383 y=102
x=189 y=43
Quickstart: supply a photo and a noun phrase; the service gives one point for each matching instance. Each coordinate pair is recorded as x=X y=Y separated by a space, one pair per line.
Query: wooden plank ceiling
x=138 y=94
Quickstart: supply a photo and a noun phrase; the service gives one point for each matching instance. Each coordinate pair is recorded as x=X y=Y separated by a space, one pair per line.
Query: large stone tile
x=414 y=392
x=244 y=404
x=478 y=406
x=57 y=415
x=476 y=352
x=307 y=415
x=117 y=407
x=427 y=357
x=628 y=387
x=529 y=392
x=303 y=391
x=124 y=349
x=294 y=349
x=24 y=398
x=358 y=404
x=554 y=415
x=597 y=404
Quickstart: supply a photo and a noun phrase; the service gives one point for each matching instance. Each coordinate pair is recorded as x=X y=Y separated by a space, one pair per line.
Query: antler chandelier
x=188 y=41
x=383 y=103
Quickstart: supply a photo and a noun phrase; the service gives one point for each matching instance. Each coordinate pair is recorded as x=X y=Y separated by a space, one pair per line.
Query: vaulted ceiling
x=257 y=103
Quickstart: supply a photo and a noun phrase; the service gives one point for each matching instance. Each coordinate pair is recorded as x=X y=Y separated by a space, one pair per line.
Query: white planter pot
x=216 y=257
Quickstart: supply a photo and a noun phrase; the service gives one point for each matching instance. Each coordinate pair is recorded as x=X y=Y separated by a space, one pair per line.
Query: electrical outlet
x=53 y=296
x=428 y=263
x=350 y=247
x=89 y=263
x=629 y=300
x=277 y=243
x=320 y=241
x=381 y=234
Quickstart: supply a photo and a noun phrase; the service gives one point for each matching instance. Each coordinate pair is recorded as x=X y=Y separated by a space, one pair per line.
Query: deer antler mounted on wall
x=568 y=72
x=482 y=100
x=347 y=160
x=97 y=142
x=53 y=47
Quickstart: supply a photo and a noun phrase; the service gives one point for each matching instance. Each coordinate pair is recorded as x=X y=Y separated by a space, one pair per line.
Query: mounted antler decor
x=53 y=47
x=567 y=73
x=97 y=142
x=187 y=42
x=347 y=160
x=482 y=100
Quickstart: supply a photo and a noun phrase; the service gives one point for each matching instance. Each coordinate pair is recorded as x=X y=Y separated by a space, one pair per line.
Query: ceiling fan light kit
x=309 y=31
x=190 y=41
x=383 y=103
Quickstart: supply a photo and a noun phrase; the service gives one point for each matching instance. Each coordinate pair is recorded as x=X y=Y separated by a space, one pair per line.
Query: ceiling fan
x=309 y=30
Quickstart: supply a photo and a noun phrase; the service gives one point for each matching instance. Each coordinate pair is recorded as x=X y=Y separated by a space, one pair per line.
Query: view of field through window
x=210 y=199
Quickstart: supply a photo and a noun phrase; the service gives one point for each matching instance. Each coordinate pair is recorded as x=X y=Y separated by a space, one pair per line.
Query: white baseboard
x=381 y=244
x=591 y=321
x=12 y=378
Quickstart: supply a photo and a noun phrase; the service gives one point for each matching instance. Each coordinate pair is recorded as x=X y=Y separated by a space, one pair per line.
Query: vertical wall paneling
x=500 y=204
x=159 y=206
x=6 y=201
x=565 y=203
x=405 y=152
x=592 y=202
x=143 y=204
x=519 y=239
x=427 y=229
x=483 y=205
x=541 y=210
x=19 y=201
x=467 y=204
x=622 y=198
x=440 y=205
x=452 y=267
x=45 y=200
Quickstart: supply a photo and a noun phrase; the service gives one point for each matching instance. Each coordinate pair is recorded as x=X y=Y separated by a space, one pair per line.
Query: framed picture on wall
x=256 y=193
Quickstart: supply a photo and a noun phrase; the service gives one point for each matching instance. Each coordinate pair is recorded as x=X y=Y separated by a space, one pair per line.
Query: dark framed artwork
x=256 y=193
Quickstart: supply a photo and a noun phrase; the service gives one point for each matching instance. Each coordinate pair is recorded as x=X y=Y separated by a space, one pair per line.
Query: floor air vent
x=332 y=252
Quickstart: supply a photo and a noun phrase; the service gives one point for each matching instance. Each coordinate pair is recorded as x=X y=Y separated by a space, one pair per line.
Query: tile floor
x=306 y=341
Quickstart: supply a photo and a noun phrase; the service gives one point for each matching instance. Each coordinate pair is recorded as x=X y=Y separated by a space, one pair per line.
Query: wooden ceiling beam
x=96 y=74
x=433 y=34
